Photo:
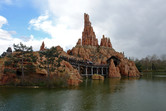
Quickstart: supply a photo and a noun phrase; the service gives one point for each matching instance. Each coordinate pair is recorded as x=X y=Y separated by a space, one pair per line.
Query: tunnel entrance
x=115 y=59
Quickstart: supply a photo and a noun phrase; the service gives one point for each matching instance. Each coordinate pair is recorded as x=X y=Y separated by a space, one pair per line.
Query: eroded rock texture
x=42 y=47
x=113 y=71
x=88 y=35
x=91 y=51
x=105 y=42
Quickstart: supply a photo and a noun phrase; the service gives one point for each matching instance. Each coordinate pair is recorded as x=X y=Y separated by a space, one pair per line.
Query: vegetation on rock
x=51 y=66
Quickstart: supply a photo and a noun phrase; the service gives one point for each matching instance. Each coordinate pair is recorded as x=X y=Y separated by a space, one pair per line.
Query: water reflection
x=154 y=76
x=125 y=94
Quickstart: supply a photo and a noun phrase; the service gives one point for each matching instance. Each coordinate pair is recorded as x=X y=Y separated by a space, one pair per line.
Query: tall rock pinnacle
x=105 y=42
x=88 y=35
x=42 y=47
x=86 y=20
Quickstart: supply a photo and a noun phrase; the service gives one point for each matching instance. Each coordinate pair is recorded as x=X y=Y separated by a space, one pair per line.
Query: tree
x=21 y=55
x=138 y=65
x=47 y=59
x=153 y=67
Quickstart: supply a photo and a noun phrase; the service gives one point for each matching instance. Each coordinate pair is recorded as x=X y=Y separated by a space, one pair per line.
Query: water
x=145 y=94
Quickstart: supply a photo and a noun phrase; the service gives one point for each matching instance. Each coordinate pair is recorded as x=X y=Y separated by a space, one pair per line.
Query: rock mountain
x=88 y=48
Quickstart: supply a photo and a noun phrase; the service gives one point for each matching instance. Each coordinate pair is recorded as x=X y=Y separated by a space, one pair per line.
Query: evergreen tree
x=22 y=55
x=49 y=61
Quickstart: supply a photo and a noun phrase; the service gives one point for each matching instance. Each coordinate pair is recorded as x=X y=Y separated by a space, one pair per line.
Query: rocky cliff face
x=86 y=48
x=63 y=73
x=106 y=42
x=99 y=54
x=88 y=35
x=113 y=71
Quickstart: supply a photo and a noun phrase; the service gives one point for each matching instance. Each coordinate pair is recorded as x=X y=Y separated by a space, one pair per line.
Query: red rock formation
x=128 y=68
x=59 y=48
x=42 y=47
x=109 y=43
x=74 y=77
x=79 y=42
x=88 y=35
x=113 y=71
x=99 y=55
x=105 y=42
x=97 y=77
x=7 y=79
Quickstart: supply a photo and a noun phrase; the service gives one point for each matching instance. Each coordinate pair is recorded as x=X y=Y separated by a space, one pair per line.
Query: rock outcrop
x=79 y=42
x=113 y=71
x=128 y=68
x=97 y=77
x=91 y=51
x=86 y=49
x=105 y=42
x=63 y=74
x=65 y=70
x=88 y=35
x=42 y=47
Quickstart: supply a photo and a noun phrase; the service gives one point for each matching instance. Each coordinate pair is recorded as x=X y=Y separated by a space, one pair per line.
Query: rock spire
x=42 y=47
x=105 y=42
x=88 y=35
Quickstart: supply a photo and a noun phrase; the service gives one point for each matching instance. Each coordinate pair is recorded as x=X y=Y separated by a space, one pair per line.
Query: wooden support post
x=102 y=71
x=106 y=71
x=97 y=70
x=92 y=70
x=79 y=69
x=86 y=72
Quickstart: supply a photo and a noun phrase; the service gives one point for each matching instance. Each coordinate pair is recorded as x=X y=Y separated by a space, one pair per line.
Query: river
x=147 y=93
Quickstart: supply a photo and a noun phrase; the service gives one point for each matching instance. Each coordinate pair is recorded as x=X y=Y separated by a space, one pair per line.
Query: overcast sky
x=137 y=27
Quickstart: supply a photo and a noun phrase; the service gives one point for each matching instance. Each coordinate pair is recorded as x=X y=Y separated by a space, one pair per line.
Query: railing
x=87 y=64
x=82 y=62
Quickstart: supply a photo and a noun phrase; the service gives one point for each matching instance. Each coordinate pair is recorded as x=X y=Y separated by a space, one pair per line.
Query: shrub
x=8 y=63
x=34 y=58
x=30 y=69
x=11 y=71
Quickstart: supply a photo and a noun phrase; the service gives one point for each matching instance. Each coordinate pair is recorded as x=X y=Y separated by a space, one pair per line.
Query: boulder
x=97 y=77
x=113 y=71
x=128 y=68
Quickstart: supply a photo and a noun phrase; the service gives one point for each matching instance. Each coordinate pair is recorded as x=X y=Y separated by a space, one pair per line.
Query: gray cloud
x=136 y=27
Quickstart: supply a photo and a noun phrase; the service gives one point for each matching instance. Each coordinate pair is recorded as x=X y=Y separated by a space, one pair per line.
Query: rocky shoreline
x=53 y=66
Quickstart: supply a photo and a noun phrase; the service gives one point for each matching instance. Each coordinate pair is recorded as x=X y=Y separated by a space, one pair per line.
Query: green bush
x=30 y=69
x=34 y=58
x=7 y=70
x=8 y=63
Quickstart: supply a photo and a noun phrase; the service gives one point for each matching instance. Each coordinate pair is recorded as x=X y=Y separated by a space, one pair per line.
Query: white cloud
x=2 y=21
x=62 y=33
x=64 y=20
x=136 y=27
x=7 y=40
x=3 y=33
x=8 y=2
x=5 y=36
